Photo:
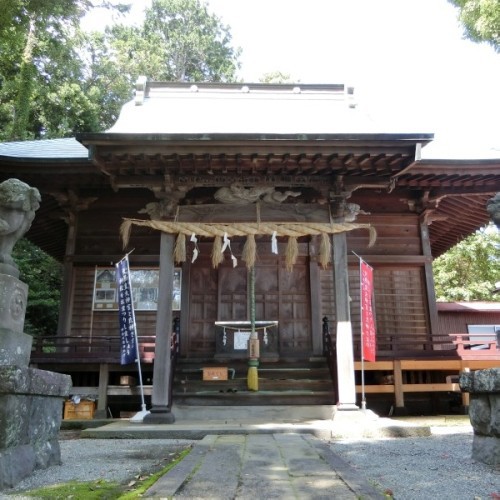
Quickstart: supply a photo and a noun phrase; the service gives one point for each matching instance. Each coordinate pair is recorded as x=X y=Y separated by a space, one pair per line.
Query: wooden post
x=102 y=397
x=429 y=279
x=345 y=350
x=399 y=396
x=465 y=395
x=65 y=308
x=161 y=404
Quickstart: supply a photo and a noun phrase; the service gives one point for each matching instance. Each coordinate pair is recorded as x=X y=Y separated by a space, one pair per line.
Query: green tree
x=481 y=20
x=276 y=77
x=179 y=41
x=470 y=269
x=42 y=274
x=56 y=81
x=40 y=69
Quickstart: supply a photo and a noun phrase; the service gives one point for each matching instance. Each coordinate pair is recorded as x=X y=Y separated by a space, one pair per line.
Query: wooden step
x=284 y=382
x=252 y=398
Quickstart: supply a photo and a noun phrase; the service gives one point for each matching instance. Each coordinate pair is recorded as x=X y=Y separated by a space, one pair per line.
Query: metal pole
x=363 y=398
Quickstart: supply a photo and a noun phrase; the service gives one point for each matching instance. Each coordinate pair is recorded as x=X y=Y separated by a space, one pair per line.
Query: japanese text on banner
x=128 y=345
x=368 y=333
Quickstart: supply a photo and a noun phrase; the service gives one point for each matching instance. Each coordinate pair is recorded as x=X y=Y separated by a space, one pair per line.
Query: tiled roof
x=44 y=149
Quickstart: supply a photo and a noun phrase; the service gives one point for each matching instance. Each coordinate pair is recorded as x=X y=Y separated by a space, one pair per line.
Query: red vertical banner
x=368 y=332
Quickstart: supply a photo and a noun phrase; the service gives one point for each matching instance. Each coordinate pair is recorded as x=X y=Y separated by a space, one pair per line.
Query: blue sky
x=407 y=60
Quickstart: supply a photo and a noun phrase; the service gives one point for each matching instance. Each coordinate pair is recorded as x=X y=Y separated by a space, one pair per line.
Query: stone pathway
x=272 y=466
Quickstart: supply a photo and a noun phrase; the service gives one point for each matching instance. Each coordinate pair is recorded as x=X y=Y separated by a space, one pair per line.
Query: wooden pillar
x=161 y=404
x=102 y=397
x=345 y=350
x=66 y=305
x=399 y=397
x=429 y=279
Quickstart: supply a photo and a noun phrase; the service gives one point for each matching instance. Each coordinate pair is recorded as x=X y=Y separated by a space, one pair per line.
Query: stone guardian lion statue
x=18 y=203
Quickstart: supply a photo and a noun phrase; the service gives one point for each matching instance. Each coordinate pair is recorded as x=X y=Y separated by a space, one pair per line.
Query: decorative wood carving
x=239 y=195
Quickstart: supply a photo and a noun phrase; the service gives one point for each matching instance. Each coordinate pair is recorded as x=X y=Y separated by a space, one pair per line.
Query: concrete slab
x=361 y=423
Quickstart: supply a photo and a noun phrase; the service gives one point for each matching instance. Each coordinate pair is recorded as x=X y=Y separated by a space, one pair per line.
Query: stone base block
x=486 y=449
x=159 y=417
x=31 y=404
x=19 y=462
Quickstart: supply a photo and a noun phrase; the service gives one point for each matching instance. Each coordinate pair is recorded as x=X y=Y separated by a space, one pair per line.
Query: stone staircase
x=297 y=382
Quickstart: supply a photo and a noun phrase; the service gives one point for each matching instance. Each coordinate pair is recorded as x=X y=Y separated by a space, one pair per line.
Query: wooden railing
x=56 y=349
x=412 y=363
x=450 y=346
x=476 y=345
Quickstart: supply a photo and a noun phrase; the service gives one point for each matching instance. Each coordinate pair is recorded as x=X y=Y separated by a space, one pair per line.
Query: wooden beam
x=229 y=213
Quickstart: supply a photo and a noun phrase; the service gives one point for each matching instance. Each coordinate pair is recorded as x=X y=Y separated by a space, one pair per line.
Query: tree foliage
x=42 y=274
x=276 y=77
x=470 y=269
x=56 y=81
x=40 y=70
x=481 y=20
x=178 y=41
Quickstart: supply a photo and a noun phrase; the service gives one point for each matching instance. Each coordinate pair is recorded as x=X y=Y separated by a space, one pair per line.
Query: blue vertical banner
x=128 y=334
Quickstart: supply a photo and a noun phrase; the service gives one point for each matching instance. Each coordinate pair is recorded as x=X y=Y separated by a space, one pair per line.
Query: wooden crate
x=84 y=410
x=215 y=373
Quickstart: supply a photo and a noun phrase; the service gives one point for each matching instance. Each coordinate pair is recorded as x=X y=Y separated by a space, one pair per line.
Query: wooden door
x=203 y=288
x=223 y=295
x=295 y=310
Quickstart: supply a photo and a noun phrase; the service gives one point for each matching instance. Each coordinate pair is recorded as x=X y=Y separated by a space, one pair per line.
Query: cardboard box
x=84 y=410
x=215 y=373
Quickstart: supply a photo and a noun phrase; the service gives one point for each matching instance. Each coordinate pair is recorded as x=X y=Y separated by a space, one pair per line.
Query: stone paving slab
x=271 y=466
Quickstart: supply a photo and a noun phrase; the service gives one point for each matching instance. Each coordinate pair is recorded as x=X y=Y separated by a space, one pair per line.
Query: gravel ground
x=118 y=460
x=436 y=467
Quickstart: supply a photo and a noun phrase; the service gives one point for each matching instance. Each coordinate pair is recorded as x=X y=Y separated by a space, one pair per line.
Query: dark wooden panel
x=232 y=293
x=267 y=290
x=295 y=309
x=202 y=310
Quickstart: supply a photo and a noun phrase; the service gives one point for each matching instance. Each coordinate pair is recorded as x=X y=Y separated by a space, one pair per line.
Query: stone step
x=270 y=413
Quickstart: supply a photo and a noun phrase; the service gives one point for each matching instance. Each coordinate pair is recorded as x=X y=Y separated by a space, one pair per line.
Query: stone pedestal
x=484 y=412
x=30 y=400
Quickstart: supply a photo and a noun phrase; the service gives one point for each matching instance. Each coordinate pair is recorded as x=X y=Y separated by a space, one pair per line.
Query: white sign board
x=241 y=340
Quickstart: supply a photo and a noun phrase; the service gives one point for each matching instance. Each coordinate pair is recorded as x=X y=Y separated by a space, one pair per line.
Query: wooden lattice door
x=222 y=295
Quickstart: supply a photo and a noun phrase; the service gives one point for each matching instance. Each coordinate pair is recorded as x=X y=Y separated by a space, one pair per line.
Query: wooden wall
x=457 y=321
x=399 y=280
x=400 y=294
x=87 y=322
